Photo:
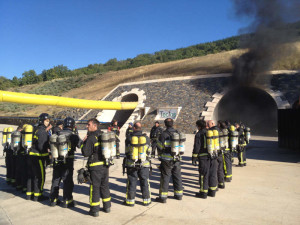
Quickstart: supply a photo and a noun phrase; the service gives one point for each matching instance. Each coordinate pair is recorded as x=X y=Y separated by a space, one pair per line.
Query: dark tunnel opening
x=251 y=106
x=122 y=115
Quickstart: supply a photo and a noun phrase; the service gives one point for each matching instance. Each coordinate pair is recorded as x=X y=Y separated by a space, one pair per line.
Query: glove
x=80 y=177
x=195 y=161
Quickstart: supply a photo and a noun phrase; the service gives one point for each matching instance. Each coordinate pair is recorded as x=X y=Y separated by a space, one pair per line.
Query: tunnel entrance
x=123 y=115
x=252 y=106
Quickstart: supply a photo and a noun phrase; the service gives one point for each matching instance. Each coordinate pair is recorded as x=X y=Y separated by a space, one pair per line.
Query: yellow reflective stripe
x=213 y=188
x=201 y=183
x=43 y=175
x=130 y=201
x=145 y=201
x=227 y=149
x=195 y=155
x=225 y=169
x=69 y=201
x=38 y=154
x=203 y=154
x=106 y=199
x=91 y=193
x=160 y=145
x=35 y=137
x=228 y=176
x=242 y=161
x=29 y=193
x=167 y=156
x=179 y=192
x=146 y=164
x=164 y=194
x=95 y=203
x=97 y=164
x=81 y=146
x=96 y=144
x=37 y=194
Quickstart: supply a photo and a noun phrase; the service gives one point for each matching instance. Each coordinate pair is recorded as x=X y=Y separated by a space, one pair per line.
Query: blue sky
x=40 y=34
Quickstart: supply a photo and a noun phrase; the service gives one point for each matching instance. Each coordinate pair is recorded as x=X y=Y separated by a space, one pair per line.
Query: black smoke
x=265 y=39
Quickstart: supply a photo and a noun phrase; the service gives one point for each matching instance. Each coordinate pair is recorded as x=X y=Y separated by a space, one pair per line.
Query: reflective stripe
x=130 y=201
x=178 y=192
x=97 y=164
x=145 y=201
x=203 y=154
x=81 y=146
x=94 y=203
x=167 y=144
x=69 y=201
x=213 y=188
x=38 y=154
x=35 y=137
x=160 y=145
x=224 y=164
x=221 y=183
x=204 y=191
x=106 y=199
x=195 y=155
x=29 y=193
x=201 y=183
x=91 y=194
x=37 y=194
x=96 y=144
x=166 y=157
x=228 y=176
x=242 y=161
x=227 y=149
x=164 y=194
x=43 y=175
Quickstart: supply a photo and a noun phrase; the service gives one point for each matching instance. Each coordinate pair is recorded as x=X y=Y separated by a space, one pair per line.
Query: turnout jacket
x=91 y=148
x=164 y=144
x=129 y=161
x=155 y=131
x=200 y=148
x=40 y=142
x=116 y=130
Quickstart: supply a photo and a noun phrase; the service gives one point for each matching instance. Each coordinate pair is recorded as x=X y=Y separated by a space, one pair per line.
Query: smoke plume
x=265 y=38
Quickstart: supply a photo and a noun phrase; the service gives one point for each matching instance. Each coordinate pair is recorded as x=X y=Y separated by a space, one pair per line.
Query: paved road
x=265 y=192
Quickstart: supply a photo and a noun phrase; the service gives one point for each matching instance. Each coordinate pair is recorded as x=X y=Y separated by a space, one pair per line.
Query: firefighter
x=9 y=160
x=241 y=148
x=129 y=130
x=154 y=134
x=226 y=153
x=114 y=128
x=37 y=157
x=58 y=127
x=63 y=167
x=170 y=164
x=200 y=154
x=137 y=163
x=99 y=172
x=214 y=166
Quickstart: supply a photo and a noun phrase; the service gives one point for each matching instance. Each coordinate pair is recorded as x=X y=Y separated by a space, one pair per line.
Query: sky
x=41 y=34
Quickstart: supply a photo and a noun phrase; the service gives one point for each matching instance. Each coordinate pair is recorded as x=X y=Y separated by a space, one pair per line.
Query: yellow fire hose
x=23 y=98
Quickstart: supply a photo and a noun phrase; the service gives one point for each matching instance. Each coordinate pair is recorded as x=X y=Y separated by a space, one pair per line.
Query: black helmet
x=69 y=122
x=43 y=117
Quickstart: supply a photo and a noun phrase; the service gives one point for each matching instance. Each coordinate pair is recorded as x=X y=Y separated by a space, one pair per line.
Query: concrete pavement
x=265 y=192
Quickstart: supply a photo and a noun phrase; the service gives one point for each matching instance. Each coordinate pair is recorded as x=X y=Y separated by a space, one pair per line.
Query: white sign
x=167 y=113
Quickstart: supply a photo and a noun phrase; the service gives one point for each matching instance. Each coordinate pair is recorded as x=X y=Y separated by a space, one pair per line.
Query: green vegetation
x=61 y=71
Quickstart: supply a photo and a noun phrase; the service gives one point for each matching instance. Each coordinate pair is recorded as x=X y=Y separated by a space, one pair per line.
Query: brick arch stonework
x=209 y=114
x=136 y=113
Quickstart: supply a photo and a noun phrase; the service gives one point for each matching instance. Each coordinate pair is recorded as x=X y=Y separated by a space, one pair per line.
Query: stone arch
x=273 y=100
x=134 y=94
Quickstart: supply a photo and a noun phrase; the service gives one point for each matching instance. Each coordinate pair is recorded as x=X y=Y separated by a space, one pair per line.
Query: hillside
x=96 y=86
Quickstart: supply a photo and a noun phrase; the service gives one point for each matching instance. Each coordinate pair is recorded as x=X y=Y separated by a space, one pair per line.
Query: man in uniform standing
x=63 y=167
x=154 y=134
x=37 y=157
x=137 y=170
x=99 y=172
x=170 y=165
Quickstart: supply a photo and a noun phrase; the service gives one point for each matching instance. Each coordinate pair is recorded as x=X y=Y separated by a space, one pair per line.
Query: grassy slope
x=102 y=84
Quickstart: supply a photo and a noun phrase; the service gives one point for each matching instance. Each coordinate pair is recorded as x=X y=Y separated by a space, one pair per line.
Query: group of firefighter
x=29 y=149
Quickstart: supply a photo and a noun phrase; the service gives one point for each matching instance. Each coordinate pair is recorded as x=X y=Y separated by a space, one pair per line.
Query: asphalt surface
x=266 y=191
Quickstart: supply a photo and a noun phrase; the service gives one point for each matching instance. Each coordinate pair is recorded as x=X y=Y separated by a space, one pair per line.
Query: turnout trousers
x=227 y=164
x=213 y=177
x=133 y=174
x=21 y=172
x=99 y=188
x=242 y=155
x=63 y=172
x=36 y=175
x=204 y=166
x=9 y=167
x=154 y=147
x=170 y=169
x=220 y=172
